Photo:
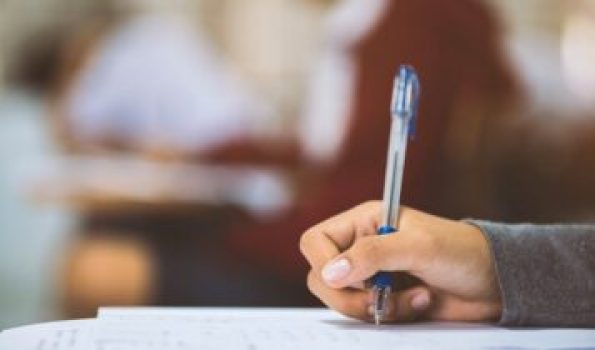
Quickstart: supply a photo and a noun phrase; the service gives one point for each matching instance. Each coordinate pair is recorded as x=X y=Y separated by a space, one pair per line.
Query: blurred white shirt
x=157 y=82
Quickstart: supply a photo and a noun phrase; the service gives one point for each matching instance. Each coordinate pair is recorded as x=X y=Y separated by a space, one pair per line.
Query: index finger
x=324 y=241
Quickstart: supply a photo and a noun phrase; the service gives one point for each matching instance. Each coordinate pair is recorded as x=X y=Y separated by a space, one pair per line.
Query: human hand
x=450 y=273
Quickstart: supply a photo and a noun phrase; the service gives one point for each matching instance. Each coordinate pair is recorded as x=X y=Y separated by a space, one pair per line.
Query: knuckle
x=370 y=213
x=305 y=241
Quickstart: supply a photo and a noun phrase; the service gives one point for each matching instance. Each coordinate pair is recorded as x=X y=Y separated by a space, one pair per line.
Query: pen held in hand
x=403 y=116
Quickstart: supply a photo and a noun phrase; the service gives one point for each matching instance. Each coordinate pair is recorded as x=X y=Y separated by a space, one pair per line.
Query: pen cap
x=405 y=96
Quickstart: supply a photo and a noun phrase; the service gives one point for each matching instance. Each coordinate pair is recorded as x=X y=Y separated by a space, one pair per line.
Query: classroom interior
x=171 y=152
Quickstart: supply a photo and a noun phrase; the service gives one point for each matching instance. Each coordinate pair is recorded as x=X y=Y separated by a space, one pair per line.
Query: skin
x=443 y=268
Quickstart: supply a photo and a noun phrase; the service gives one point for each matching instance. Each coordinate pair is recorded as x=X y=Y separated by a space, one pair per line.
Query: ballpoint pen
x=403 y=111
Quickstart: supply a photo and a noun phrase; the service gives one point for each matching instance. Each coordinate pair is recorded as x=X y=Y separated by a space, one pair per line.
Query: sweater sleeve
x=546 y=273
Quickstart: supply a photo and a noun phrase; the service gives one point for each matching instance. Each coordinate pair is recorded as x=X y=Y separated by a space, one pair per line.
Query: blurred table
x=116 y=183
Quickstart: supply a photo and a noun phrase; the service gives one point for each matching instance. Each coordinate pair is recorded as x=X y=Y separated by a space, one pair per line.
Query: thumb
x=364 y=258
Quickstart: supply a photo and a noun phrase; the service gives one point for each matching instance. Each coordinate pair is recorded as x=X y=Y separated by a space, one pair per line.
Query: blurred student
x=154 y=82
x=517 y=275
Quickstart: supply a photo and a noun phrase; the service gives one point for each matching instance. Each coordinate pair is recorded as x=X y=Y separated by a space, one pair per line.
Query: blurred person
x=154 y=82
x=472 y=270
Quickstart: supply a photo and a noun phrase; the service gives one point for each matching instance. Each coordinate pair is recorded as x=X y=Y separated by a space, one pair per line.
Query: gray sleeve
x=546 y=273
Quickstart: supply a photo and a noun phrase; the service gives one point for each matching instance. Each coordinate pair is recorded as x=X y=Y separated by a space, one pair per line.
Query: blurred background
x=172 y=152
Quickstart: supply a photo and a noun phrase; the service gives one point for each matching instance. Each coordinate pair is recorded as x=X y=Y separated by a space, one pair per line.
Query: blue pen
x=403 y=117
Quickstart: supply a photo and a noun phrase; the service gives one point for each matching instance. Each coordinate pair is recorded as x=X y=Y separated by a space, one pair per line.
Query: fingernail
x=420 y=301
x=336 y=270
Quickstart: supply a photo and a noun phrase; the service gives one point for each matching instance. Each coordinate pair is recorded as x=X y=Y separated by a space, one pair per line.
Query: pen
x=403 y=111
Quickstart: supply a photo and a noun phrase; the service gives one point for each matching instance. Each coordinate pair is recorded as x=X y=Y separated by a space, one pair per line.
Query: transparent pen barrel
x=395 y=164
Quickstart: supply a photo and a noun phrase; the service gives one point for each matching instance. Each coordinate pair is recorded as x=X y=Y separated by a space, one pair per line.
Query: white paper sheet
x=62 y=335
x=322 y=329
x=264 y=329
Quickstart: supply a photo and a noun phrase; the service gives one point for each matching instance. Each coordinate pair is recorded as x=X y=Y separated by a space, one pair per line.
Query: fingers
x=344 y=251
x=405 y=306
x=367 y=256
x=409 y=305
x=350 y=302
x=326 y=240
x=318 y=248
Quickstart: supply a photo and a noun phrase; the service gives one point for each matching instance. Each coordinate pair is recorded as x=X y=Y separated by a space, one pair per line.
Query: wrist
x=492 y=296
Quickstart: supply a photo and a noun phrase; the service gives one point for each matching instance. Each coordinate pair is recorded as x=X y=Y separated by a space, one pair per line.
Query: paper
x=264 y=329
x=63 y=335
x=322 y=329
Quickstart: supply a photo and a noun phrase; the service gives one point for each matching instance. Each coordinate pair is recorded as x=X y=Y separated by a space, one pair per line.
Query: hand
x=449 y=270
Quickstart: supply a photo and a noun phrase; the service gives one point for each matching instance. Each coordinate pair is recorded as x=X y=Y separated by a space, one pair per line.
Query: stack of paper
x=263 y=329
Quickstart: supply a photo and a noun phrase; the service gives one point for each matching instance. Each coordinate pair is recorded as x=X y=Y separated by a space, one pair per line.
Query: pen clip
x=405 y=97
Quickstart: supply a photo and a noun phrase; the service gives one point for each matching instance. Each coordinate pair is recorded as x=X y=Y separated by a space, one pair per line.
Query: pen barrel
x=382 y=278
x=395 y=164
